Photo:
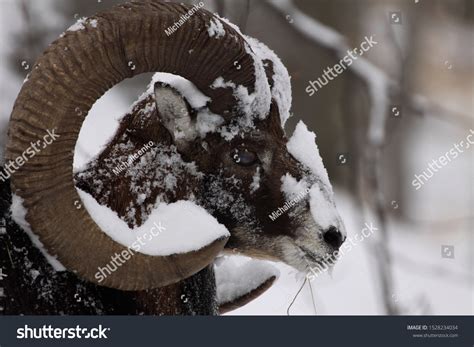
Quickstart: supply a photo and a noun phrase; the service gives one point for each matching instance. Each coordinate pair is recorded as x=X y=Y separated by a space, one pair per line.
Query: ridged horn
x=65 y=82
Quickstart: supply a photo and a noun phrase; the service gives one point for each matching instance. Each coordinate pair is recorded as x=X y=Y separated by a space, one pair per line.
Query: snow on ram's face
x=206 y=121
x=178 y=227
x=252 y=106
x=302 y=147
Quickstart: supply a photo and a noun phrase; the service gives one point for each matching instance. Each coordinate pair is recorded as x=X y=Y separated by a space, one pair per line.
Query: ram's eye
x=244 y=157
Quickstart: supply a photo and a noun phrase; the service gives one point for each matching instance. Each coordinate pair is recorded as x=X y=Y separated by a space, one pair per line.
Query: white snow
x=215 y=29
x=236 y=277
x=104 y=118
x=353 y=287
x=19 y=216
x=323 y=209
x=229 y=23
x=186 y=88
x=101 y=124
x=81 y=24
x=291 y=187
x=281 y=90
x=259 y=101
x=93 y=23
x=208 y=122
x=241 y=93
x=302 y=147
x=257 y=104
x=179 y=227
x=251 y=105
x=420 y=243
x=255 y=181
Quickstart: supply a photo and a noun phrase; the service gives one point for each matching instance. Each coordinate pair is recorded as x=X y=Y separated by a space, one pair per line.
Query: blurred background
x=404 y=103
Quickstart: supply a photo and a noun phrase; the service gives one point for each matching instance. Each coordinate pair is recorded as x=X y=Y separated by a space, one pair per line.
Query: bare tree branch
x=328 y=38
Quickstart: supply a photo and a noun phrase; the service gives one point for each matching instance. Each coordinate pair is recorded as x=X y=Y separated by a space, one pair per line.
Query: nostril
x=333 y=237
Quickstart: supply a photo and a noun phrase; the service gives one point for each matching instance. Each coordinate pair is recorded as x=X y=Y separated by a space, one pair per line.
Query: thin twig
x=312 y=297
x=294 y=299
x=244 y=17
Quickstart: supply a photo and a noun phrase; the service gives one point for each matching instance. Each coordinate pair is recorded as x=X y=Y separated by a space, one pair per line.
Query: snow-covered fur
x=240 y=171
x=216 y=167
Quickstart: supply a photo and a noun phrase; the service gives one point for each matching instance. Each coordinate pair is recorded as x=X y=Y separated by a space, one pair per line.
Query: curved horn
x=67 y=79
x=247 y=297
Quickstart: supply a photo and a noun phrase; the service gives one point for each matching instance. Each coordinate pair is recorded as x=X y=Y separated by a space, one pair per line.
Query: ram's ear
x=174 y=113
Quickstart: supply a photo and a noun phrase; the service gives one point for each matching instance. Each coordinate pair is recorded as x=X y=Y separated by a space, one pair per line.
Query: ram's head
x=213 y=136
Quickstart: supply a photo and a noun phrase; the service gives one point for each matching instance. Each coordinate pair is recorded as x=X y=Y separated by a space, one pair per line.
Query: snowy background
x=430 y=54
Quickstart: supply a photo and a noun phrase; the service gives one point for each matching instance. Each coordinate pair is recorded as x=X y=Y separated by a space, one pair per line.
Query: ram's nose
x=333 y=237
